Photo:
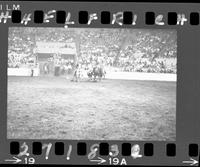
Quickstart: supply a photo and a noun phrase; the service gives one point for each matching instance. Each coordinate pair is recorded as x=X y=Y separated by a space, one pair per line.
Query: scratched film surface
x=92 y=83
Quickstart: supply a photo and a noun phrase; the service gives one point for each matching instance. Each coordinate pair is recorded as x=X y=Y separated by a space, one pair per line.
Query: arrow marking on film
x=15 y=160
x=191 y=162
x=99 y=160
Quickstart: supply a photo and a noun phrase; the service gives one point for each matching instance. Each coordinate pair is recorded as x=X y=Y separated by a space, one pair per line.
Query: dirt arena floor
x=56 y=108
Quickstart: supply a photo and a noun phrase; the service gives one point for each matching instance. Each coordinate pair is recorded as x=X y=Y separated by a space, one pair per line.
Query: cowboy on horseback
x=96 y=71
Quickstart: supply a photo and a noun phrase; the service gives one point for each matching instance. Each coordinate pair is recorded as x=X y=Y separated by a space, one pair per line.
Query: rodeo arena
x=97 y=84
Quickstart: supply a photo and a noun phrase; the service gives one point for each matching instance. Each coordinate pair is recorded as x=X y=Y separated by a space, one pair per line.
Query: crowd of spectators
x=18 y=60
x=126 y=50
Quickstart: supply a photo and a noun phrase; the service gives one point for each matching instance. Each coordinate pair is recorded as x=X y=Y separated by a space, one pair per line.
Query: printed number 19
x=114 y=161
x=29 y=160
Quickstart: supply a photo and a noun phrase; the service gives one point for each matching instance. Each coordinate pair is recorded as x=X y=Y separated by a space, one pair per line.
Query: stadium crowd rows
x=125 y=50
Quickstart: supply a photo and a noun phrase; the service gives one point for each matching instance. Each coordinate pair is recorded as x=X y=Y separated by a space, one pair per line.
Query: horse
x=96 y=72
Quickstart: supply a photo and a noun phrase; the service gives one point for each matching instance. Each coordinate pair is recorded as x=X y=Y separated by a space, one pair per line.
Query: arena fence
x=109 y=75
x=22 y=72
x=142 y=76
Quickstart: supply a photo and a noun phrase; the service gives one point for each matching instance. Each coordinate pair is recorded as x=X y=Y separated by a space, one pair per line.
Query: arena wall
x=22 y=72
x=109 y=75
x=142 y=76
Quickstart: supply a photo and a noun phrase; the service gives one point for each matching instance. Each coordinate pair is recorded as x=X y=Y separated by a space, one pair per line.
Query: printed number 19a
x=116 y=161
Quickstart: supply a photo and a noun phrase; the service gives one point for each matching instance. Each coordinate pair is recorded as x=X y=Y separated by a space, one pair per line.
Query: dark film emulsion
x=172 y=18
x=14 y=148
x=83 y=17
x=38 y=17
x=171 y=149
x=59 y=148
x=105 y=17
x=81 y=148
x=193 y=150
x=150 y=18
x=60 y=17
x=37 y=148
x=16 y=16
x=194 y=18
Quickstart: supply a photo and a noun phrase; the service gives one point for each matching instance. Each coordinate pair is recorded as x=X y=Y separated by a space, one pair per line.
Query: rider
x=75 y=75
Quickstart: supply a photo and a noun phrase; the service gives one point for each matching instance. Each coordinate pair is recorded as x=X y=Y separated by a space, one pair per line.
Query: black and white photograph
x=91 y=83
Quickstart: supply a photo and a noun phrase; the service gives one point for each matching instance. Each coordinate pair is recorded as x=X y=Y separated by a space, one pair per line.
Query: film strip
x=85 y=18
x=99 y=83
x=97 y=149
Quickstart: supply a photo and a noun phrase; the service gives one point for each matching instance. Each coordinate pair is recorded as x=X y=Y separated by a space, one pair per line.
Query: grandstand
x=55 y=56
x=123 y=50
